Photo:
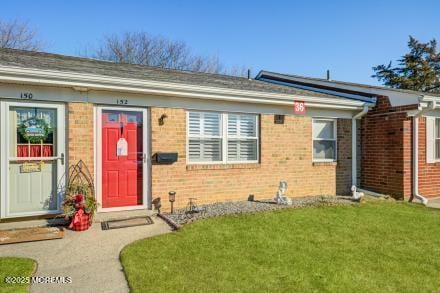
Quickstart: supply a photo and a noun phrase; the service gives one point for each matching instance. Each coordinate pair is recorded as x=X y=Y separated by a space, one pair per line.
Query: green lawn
x=15 y=267
x=372 y=247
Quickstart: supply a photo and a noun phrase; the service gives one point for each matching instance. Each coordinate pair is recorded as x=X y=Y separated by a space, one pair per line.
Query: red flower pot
x=80 y=221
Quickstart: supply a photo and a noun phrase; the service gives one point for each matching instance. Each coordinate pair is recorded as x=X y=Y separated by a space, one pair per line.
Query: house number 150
x=26 y=96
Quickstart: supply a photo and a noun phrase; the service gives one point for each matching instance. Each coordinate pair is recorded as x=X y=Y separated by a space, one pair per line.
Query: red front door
x=122 y=158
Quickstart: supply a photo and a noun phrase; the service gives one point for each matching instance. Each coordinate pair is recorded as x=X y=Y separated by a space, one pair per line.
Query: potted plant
x=79 y=206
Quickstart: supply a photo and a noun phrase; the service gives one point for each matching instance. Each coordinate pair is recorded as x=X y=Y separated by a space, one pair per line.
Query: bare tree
x=145 y=49
x=19 y=35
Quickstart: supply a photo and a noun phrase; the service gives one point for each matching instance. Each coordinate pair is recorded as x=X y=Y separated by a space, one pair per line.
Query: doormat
x=30 y=234
x=124 y=223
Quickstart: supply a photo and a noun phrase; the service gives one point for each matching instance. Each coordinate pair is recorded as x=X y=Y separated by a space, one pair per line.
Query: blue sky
x=297 y=37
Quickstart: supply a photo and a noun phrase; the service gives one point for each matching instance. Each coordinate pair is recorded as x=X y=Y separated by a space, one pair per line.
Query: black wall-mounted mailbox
x=165 y=158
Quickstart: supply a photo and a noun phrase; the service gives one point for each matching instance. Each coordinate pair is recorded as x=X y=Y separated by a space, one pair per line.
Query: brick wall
x=286 y=154
x=429 y=174
x=386 y=151
x=80 y=134
x=343 y=168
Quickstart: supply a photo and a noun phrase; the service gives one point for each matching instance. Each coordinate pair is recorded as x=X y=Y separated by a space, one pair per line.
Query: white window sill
x=221 y=166
x=325 y=163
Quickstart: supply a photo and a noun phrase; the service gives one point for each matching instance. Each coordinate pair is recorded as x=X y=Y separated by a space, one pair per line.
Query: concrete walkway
x=90 y=258
x=434 y=203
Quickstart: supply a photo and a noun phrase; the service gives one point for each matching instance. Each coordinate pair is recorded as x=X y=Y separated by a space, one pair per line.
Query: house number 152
x=121 y=101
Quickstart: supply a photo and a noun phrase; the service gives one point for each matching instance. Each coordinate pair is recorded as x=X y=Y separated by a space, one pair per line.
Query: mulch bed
x=179 y=217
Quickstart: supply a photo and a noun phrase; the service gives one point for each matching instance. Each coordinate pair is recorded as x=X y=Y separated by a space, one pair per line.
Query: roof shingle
x=56 y=62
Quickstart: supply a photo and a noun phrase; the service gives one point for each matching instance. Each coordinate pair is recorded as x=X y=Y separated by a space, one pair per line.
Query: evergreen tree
x=418 y=70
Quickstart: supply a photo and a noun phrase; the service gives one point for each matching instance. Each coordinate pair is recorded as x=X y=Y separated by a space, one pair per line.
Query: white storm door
x=33 y=157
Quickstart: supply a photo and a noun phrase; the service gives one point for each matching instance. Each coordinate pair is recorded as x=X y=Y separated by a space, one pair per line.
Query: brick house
x=227 y=137
x=402 y=129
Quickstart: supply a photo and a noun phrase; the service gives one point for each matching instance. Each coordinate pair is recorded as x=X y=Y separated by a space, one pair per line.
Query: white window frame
x=224 y=139
x=335 y=135
x=436 y=159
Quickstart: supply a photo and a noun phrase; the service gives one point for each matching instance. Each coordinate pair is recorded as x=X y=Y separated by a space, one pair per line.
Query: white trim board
x=41 y=93
x=87 y=82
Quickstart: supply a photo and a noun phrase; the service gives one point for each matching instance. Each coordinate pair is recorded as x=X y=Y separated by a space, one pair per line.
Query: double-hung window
x=324 y=139
x=222 y=137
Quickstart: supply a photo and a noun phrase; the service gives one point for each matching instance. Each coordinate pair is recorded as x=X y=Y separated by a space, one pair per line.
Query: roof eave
x=9 y=74
x=368 y=89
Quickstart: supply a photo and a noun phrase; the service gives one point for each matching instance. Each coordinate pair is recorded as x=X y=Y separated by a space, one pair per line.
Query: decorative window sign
x=34 y=130
x=299 y=107
x=122 y=147
x=30 y=167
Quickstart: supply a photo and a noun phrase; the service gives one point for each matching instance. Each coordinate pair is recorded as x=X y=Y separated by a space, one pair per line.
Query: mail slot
x=165 y=158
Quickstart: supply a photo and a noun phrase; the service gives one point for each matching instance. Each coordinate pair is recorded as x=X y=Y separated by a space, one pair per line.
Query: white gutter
x=108 y=83
x=354 y=144
x=370 y=89
x=432 y=106
x=319 y=90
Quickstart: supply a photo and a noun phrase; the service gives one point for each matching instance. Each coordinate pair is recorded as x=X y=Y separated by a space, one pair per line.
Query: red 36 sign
x=299 y=107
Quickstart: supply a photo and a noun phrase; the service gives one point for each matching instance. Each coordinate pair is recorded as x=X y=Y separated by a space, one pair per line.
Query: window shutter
x=242 y=149
x=211 y=124
x=430 y=139
x=204 y=143
x=194 y=124
x=242 y=137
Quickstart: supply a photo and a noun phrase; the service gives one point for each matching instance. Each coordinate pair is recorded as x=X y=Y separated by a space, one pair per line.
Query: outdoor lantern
x=162 y=119
x=172 y=199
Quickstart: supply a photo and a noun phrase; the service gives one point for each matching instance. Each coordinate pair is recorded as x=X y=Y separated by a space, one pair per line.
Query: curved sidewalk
x=90 y=258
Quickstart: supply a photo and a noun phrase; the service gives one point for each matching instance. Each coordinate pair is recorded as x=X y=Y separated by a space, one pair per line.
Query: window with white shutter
x=324 y=139
x=242 y=137
x=204 y=137
x=222 y=137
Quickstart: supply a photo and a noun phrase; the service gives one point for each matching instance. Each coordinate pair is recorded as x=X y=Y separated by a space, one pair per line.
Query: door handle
x=145 y=158
x=62 y=158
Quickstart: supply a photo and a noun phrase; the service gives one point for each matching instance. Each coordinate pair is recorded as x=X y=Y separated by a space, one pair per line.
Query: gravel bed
x=239 y=207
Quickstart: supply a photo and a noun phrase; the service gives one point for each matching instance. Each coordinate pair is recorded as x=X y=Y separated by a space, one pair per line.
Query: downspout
x=419 y=113
x=354 y=187
x=354 y=144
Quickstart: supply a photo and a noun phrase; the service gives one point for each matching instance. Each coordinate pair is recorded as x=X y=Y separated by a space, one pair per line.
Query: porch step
x=121 y=215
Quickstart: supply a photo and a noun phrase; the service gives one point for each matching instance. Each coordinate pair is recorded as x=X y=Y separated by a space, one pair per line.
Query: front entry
x=33 y=157
x=122 y=158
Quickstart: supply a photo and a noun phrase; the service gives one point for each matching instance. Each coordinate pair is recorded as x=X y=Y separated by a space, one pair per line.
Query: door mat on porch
x=30 y=234
x=124 y=223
